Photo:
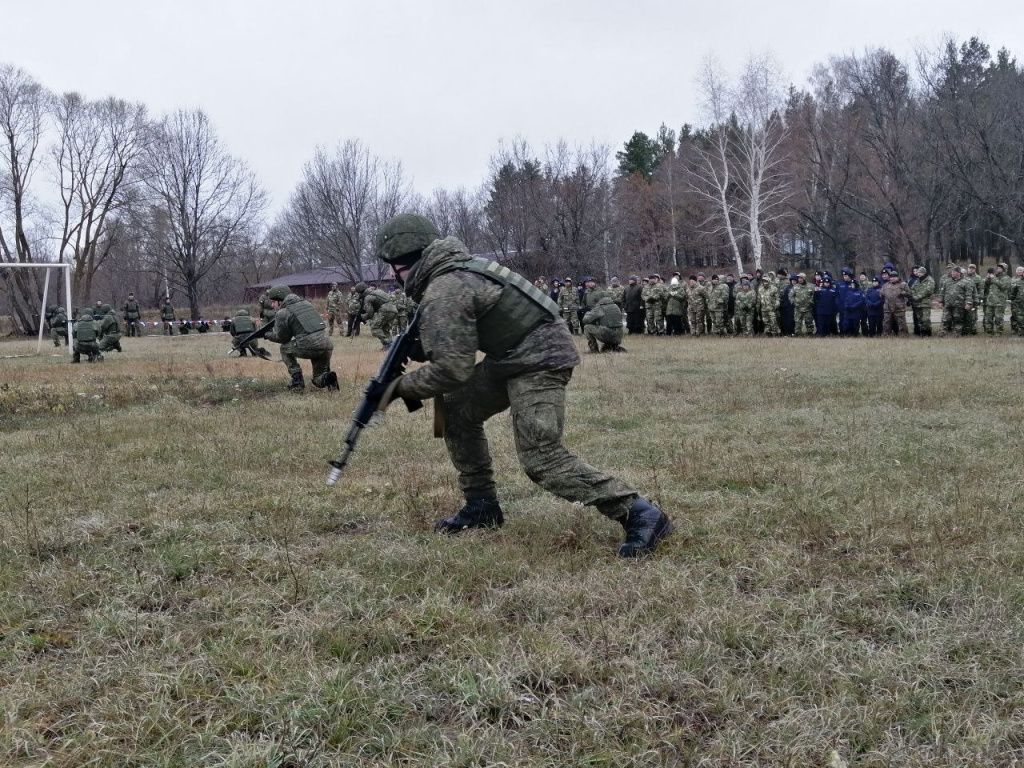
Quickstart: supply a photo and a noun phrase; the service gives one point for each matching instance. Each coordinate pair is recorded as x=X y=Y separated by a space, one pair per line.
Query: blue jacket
x=826 y=302
x=874 y=301
x=854 y=302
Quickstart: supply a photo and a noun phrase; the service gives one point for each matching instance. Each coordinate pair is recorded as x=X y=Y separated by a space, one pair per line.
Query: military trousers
x=993 y=321
x=537 y=404
x=745 y=320
x=333 y=316
x=697 y=317
x=611 y=338
x=57 y=333
x=110 y=341
x=572 y=319
x=168 y=327
x=655 y=319
x=922 y=319
x=770 y=317
x=132 y=326
x=717 y=321
x=803 y=320
x=382 y=326
x=894 y=321
x=315 y=347
x=1017 y=318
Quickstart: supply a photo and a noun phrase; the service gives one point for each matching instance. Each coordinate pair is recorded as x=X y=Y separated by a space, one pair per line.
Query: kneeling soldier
x=302 y=333
x=604 y=324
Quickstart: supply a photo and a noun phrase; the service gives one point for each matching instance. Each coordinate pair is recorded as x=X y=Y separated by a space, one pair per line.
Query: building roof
x=312 y=277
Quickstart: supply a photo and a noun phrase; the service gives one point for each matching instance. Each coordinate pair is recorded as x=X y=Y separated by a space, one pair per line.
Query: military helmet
x=361 y=287
x=278 y=292
x=241 y=311
x=334 y=286
x=402 y=238
x=106 y=309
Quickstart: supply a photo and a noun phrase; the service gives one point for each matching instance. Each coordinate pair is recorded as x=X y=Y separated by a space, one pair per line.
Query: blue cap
x=848 y=271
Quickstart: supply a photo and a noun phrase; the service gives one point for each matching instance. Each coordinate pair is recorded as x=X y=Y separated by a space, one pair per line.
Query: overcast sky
x=437 y=83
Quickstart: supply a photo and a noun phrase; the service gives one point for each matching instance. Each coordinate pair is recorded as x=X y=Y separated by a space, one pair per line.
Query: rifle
x=405 y=347
x=259 y=333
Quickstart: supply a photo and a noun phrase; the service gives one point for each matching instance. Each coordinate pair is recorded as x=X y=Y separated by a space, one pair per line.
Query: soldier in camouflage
x=109 y=330
x=266 y=306
x=997 y=293
x=354 y=308
x=655 y=298
x=379 y=312
x=603 y=325
x=921 y=293
x=768 y=301
x=405 y=308
x=167 y=317
x=84 y=332
x=971 y=320
x=334 y=299
x=469 y=305
x=58 y=320
x=132 y=315
x=617 y=291
x=1017 y=302
x=675 y=309
x=746 y=305
x=242 y=325
x=302 y=334
x=569 y=306
x=696 y=305
x=802 y=297
x=960 y=298
x=718 y=300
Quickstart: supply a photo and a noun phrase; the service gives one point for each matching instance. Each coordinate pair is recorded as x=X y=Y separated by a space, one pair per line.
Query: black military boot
x=645 y=526
x=117 y=346
x=478 y=513
x=77 y=358
x=297 y=382
x=329 y=380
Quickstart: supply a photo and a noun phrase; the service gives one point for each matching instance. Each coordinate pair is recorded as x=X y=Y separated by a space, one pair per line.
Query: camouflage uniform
x=718 y=300
x=530 y=377
x=696 y=306
x=1017 y=302
x=603 y=324
x=354 y=307
x=84 y=332
x=675 y=309
x=302 y=333
x=132 y=315
x=746 y=305
x=921 y=303
x=996 y=295
x=58 y=320
x=109 y=330
x=655 y=297
x=167 y=317
x=569 y=306
x=380 y=313
x=894 y=309
x=945 y=286
x=616 y=291
x=802 y=297
x=768 y=300
x=961 y=299
x=241 y=325
x=266 y=307
x=404 y=306
x=971 y=320
x=334 y=299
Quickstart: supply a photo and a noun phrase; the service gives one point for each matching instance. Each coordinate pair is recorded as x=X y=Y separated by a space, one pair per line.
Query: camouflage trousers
x=382 y=326
x=333 y=316
x=1017 y=318
x=803 y=321
x=959 y=319
x=168 y=327
x=537 y=403
x=745 y=321
x=315 y=347
x=57 y=333
x=132 y=327
x=770 y=318
x=717 y=321
x=90 y=348
x=110 y=341
x=894 y=321
x=572 y=319
x=993 y=321
x=696 y=316
x=401 y=322
x=922 y=315
x=655 y=318
x=970 y=322
x=611 y=338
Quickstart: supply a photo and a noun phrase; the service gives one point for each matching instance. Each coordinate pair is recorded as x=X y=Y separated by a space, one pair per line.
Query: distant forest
x=875 y=159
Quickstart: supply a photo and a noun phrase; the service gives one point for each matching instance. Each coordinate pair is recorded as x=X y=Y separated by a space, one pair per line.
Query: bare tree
x=22 y=112
x=742 y=162
x=98 y=149
x=338 y=205
x=205 y=199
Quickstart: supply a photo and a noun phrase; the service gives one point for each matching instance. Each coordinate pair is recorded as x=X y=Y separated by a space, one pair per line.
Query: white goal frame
x=46 y=291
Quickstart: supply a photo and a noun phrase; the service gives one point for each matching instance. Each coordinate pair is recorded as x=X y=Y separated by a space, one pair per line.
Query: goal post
x=46 y=290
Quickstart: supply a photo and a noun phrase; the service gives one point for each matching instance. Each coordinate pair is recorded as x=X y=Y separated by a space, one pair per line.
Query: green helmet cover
x=361 y=287
x=278 y=292
x=405 y=234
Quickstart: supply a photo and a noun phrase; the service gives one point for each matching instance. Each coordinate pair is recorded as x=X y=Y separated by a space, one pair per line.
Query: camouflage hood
x=438 y=256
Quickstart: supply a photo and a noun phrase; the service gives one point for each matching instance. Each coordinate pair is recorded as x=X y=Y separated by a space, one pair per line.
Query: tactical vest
x=611 y=315
x=85 y=331
x=381 y=297
x=242 y=324
x=166 y=312
x=131 y=310
x=520 y=309
x=110 y=326
x=307 y=317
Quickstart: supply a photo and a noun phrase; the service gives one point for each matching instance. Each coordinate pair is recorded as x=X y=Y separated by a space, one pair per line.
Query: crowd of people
x=787 y=303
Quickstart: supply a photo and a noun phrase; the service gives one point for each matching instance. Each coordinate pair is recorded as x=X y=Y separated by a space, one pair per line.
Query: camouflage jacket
x=745 y=299
x=617 y=293
x=676 y=304
x=998 y=292
x=334 y=299
x=375 y=300
x=802 y=297
x=768 y=293
x=568 y=299
x=450 y=304
x=109 y=326
x=167 y=313
x=961 y=293
x=696 y=297
x=921 y=291
x=895 y=296
x=656 y=294
x=355 y=303
x=718 y=297
x=1016 y=290
x=287 y=323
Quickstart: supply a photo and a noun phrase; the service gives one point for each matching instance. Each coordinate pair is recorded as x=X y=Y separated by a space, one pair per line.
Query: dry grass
x=178 y=587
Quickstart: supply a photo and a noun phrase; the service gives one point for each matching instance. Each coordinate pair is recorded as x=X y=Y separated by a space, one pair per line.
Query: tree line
x=877 y=159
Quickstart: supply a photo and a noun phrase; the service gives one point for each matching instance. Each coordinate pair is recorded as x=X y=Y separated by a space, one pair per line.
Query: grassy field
x=179 y=588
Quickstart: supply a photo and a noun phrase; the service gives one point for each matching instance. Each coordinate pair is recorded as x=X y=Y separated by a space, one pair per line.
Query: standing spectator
x=997 y=293
x=971 y=320
x=922 y=287
x=633 y=306
x=787 y=312
x=802 y=297
x=853 y=309
x=167 y=316
x=826 y=305
x=675 y=309
x=873 y=304
x=961 y=300
x=845 y=282
x=696 y=305
x=1017 y=302
x=895 y=296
